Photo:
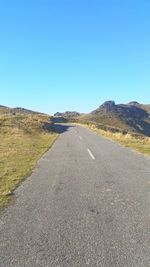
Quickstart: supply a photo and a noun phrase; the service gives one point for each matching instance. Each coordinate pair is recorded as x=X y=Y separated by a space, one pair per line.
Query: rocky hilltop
x=130 y=117
x=130 y=110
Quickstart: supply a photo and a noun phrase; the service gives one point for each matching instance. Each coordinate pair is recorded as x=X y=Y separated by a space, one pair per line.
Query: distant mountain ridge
x=131 y=117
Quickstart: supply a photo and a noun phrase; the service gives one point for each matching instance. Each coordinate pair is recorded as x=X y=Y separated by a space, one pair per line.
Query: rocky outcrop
x=134 y=103
x=108 y=105
x=67 y=114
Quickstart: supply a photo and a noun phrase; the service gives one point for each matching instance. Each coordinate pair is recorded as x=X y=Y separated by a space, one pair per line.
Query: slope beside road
x=86 y=204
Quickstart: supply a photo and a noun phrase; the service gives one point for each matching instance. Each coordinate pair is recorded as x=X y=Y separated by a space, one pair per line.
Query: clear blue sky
x=58 y=55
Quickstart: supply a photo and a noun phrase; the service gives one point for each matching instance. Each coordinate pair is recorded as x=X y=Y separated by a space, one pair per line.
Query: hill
x=17 y=110
x=4 y=110
x=25 y=136
x=132 y=117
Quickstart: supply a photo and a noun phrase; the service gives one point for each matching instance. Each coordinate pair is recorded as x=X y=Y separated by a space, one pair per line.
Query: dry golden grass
x=23 y=142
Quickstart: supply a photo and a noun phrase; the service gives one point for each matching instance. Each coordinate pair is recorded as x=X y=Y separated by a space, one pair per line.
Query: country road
x=87 y=203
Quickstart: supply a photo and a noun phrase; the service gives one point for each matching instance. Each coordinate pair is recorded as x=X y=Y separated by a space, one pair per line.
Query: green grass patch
x=23 y=141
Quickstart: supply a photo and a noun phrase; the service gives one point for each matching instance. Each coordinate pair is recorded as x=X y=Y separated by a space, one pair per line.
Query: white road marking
x=108 y=189
x=90 y=153
x=80 y=137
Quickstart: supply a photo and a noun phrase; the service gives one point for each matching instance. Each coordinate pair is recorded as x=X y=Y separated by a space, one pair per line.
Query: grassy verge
x=23 y=142
x=140 y=144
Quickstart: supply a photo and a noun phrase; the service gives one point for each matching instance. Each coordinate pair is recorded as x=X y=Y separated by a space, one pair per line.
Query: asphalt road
x=87 y=203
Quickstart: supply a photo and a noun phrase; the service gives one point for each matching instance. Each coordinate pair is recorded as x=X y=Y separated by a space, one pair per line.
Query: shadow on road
x=59 y=120
x=56 y=127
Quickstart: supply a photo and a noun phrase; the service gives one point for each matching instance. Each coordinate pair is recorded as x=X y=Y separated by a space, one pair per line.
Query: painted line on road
x=90 y=153
x=80 y=137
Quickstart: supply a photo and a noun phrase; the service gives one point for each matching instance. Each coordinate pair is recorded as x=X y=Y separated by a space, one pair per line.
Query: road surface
x=87 y=203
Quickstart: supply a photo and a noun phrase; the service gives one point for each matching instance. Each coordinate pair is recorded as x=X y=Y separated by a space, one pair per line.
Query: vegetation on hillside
x=130 y=118
x=25 y=136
